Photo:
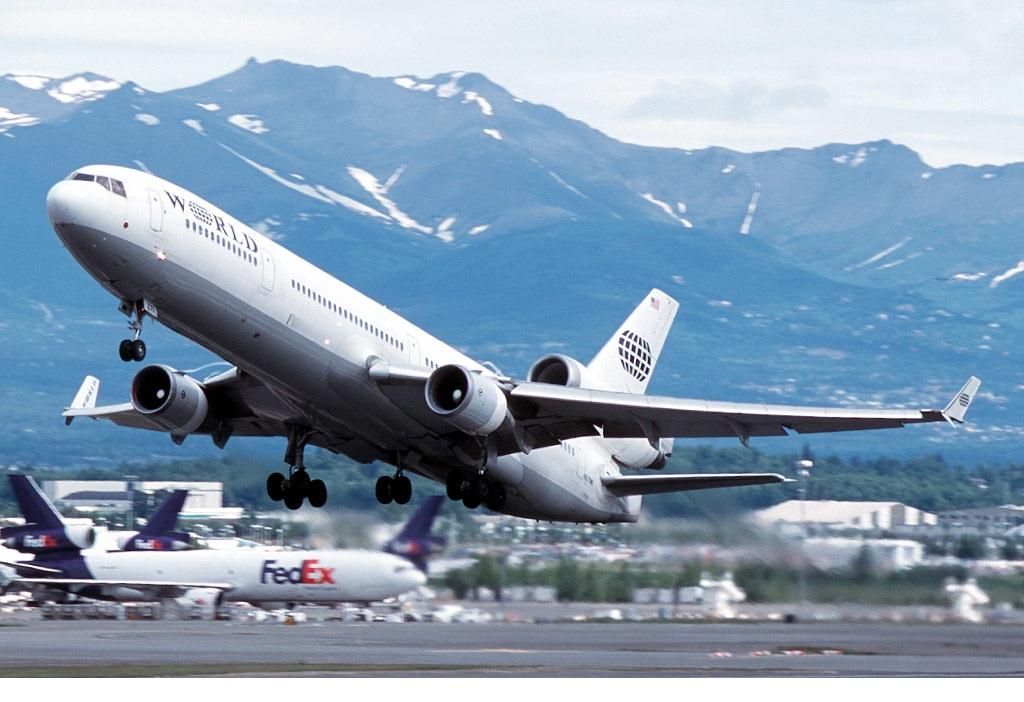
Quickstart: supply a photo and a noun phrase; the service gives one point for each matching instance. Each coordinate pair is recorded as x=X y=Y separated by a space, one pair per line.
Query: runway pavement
x=205 y=648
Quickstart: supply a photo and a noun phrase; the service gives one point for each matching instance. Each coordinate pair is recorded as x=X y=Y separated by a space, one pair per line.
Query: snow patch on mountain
x=410 y=84
x=751 y=209
x=479 y=229
x=194 y=124
x=81 y=89
x=307 y=190
x=969 y=276
x=250 y=123
x=729 y=169
x=493 y=133
x=354 y=205
x=560 y=181
x=30 y=82
x=668 y=209
x=370 y=184
x=14 y=119
x=208 y=106
x=444 y=230
x=147 y=119
x=852 y=158
x=1006 y=275
x=451 y=88
x=485 y=106
x=881 y=254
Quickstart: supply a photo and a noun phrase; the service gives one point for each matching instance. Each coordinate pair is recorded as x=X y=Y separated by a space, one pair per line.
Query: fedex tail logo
x=149 y=545
x=309 y=572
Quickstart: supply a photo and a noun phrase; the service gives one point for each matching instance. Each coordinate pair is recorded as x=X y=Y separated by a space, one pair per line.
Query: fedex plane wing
x=317 y=362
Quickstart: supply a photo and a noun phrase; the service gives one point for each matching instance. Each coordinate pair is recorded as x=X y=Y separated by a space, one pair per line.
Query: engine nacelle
x=174 y=541
x=557 y=369
x=639 y=454
x=469 y=401
x=32 y=540
x=172 y=399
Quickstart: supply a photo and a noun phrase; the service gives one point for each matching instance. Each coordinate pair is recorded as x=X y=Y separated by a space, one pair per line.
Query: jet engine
x=32 y=540
x=169 y=542
x=557 y=369
x=469 y=401
x=639 y=454
x=170 y=398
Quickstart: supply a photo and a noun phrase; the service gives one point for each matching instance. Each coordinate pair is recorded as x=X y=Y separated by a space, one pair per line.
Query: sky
x=944 y=77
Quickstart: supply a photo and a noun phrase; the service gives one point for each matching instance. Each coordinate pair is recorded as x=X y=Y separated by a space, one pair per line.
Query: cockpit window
x=111 y=184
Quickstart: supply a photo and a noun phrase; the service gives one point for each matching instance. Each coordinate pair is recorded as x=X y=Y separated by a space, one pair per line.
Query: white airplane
x=318 y=362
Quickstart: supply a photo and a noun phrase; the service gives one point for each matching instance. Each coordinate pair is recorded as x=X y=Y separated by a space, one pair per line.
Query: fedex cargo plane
x=317 y=362
x=63 y=563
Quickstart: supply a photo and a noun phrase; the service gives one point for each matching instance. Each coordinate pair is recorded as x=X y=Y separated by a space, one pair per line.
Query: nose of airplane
x=60 y=201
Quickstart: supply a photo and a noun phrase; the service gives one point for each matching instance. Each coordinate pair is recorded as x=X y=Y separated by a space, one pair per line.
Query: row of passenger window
x=222 y=240
x=112 y=184
x=346 y=314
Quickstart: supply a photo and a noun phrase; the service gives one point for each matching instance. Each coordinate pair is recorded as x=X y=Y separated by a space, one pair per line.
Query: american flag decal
x=656 y=303
x=965 y=399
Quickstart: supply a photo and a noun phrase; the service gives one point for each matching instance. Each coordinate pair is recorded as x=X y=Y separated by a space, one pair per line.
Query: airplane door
x=267 y=276
x=414 y=351
x=156 y=211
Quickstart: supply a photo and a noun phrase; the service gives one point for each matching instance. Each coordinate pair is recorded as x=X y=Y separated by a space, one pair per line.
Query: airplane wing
x=235 y=399
x=655 y=484
x=557 y=409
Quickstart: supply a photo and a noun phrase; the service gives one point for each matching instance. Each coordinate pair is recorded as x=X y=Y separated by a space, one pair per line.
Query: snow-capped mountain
x=845 y=274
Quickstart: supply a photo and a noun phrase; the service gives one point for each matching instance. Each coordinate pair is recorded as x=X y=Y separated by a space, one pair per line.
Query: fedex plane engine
x=639 y=453
x=170 y=398
x=469 y=401
x=28 y=539
x=557 y=369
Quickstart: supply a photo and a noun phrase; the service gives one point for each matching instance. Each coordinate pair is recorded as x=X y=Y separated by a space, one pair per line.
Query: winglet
x=85 y=398
x=957 y=407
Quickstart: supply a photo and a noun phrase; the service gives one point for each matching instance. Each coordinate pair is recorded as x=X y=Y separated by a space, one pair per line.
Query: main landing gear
x=475 y=489
x=297 y=486
x=397 y=489
x=133 y=349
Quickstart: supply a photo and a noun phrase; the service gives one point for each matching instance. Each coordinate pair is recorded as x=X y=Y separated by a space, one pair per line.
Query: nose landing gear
x=133 y=349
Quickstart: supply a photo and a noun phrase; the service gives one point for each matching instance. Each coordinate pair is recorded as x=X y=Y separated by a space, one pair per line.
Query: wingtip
x=957 y=408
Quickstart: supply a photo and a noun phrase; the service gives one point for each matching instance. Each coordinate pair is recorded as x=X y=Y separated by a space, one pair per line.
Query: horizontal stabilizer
x=28 y=568
x=654 y=484
x=957 y=407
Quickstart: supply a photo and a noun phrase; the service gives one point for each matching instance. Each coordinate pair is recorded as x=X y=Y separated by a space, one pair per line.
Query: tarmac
x=31 y=647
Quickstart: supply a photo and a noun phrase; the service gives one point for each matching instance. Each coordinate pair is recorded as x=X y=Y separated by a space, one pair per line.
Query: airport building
x=205 y=499
x=825 y=516
x=983 y=520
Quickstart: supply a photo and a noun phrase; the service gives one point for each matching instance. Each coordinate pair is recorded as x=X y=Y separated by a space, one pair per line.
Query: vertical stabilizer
x=627 y=360
x=164 y=519
x=35 y=507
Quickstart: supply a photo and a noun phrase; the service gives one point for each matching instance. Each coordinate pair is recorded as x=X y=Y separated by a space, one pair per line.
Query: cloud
x=735 y=102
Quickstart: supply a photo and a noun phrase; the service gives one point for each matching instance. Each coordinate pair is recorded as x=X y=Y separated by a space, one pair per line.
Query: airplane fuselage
x=307 y=336
x=251 y=575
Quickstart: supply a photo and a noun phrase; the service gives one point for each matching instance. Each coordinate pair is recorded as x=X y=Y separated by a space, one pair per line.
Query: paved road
x=468 y=650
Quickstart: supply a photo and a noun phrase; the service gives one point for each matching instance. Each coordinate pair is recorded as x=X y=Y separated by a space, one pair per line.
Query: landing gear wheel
x=453 y=485
x=275 y=487
x=497 y=498
x=293 y=499
x=471 y=494
x=138 y=350
x=299 y=482
x=124 y=350
x=401 y=489
x=316 y=493
x=383 y=490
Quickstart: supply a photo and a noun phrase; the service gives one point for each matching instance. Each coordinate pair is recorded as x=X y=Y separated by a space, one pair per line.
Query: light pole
x=803 y=471
x=130 y=487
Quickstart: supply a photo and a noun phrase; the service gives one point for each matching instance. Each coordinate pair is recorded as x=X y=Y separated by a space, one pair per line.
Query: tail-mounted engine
x=557 y=369
x=174 y=541
x=170 y=398
x=32 y=539
x=469 y=401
